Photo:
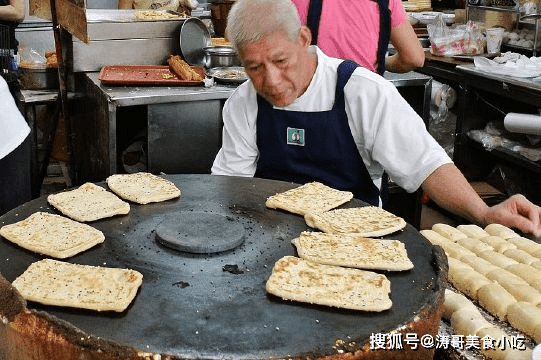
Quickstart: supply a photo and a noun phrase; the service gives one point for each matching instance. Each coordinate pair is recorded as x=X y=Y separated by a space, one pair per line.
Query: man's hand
x=516 y=212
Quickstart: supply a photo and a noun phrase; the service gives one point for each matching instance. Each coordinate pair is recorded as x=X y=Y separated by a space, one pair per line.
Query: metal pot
x=220 y=56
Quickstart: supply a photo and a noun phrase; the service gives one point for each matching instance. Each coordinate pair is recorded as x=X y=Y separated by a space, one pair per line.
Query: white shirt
x=13 y=126
x=388 y=132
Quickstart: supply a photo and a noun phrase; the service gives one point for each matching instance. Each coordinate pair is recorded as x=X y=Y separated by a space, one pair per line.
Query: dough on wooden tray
x=88 y=202
x=313 y=196
x=367 y=221
x=467 y=281
x=293 y=278
x=353 y=251
x=142 y=187
x=52 y=235
x=530 y=246
x=53 y=282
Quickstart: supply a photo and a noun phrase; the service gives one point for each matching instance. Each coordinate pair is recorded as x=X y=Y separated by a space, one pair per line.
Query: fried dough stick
x=182 y=69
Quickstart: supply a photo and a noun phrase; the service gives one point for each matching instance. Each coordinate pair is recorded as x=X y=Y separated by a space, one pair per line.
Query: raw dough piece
x=501 y=231
x=495 y=299
x=448 y=232
x=473 y=231
x=455 y=301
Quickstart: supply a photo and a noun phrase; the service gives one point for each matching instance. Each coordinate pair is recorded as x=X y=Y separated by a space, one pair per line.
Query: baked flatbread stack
x=53 y=282
x=142 y=187
x=88 y=202
x=368 y=221
x=309 y=197
x=52 y=235
x=301 y=280
x=353 y=251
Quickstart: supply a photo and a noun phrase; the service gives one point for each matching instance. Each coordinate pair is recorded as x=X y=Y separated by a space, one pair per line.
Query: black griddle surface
x=190 y=306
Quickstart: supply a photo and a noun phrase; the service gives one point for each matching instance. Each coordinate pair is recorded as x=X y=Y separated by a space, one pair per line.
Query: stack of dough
x=466 y=319
x=498 y=269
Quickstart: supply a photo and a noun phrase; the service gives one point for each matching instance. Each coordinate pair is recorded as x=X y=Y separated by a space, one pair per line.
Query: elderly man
x=304 y=116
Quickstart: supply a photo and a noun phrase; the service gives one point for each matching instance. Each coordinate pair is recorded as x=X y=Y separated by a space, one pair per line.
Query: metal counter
x=183 y=124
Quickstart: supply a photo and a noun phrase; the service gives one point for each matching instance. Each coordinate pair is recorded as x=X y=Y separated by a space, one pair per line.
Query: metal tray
x=229 y=75
x=145 y=75
x=194 y=37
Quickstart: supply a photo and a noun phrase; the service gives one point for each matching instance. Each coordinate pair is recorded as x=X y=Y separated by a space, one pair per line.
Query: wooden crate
x=417 y=5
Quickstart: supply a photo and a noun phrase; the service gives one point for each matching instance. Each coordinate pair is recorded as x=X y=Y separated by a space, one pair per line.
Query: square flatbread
x=301 y=280
x=88 y=202
x=52 y=235
x=309 y=197
x=368 y=221
x=53 y=282
x=353 y=251
x=142 y=187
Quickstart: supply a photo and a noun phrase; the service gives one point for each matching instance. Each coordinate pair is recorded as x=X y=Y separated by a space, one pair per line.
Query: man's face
x=280 y=69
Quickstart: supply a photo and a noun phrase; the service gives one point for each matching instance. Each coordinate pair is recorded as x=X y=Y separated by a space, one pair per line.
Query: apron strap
x=314 y=15
x=384 y=34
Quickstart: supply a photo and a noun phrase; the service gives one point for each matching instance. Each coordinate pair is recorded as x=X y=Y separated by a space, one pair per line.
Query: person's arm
x=410 y=54
x=125 y=4
x=13 y=12
x=448 y=187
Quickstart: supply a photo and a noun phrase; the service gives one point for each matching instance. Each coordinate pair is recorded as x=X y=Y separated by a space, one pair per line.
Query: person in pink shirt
x=350 y=29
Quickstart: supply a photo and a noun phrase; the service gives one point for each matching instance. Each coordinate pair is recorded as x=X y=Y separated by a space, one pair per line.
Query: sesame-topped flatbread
x=301 y=280
x=142 y=187
x=368 y=221
x=88 y=202
x=52 y=235
x=353 y=251
x=313 y=196
x=53 y=282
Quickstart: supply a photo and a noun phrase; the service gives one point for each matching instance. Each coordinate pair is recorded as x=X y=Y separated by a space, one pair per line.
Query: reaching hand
x=516 y=212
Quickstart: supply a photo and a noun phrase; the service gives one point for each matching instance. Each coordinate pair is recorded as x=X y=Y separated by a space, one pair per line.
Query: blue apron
x=313 y=146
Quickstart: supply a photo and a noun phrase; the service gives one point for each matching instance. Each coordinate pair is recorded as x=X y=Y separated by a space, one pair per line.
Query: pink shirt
x=349 y=29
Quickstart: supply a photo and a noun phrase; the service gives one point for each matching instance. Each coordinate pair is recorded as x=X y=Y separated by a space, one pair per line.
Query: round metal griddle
x=215 y=305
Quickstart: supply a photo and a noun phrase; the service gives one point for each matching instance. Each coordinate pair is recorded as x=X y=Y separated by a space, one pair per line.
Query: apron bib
x=313 y=146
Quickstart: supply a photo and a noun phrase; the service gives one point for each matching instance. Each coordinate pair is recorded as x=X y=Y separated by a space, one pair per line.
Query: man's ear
x=305 y=36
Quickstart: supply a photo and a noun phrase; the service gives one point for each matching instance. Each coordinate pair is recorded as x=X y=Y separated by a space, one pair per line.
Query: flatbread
x=88 y=202
x=293 y=278
x=53 y=282
x=142 y=187
x=313 y=196
x=353 y=251
x=368 y=221
x=52 y=235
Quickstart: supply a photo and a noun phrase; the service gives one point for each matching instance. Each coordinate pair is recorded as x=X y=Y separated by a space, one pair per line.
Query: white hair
x=249 y=20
